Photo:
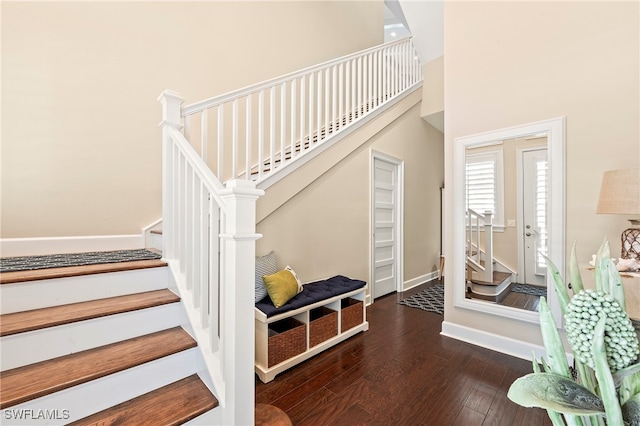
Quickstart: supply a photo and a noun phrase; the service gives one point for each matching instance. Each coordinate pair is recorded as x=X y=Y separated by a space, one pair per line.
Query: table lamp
x=620 y=194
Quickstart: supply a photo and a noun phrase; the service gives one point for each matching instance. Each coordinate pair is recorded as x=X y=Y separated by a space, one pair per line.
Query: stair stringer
x=328 y=154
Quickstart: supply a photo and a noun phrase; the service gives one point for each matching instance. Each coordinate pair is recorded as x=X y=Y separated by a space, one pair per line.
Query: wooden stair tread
x=73 y=271
x=20 y=322
x=33 y=381
x=173 y=404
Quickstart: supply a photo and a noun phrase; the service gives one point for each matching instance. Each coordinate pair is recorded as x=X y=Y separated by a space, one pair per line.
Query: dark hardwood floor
x=522 y=301
x=402 y=372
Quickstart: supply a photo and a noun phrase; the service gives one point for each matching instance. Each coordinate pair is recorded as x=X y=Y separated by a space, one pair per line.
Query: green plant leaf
x=629 y=387
x=553 y=344
x=601 y=275
x=619 y=375
x=616 y=289
x=574 y=271
x=554 y=392
x=603 y=375
x=558 y=284
x=631 y=411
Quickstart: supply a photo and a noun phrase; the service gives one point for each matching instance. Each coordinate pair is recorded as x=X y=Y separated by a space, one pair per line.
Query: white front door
x=386 y=226
x=535 y=177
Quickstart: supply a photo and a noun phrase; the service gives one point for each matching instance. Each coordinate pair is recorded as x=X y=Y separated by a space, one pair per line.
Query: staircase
x=153 y=343
x=486 y=278
x=99 y=344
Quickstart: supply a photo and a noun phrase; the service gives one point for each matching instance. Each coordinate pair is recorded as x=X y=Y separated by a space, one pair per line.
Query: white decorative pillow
x=290 y=269
x=265 y=265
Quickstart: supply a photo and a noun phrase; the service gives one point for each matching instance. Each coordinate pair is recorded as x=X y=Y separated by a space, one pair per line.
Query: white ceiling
x=421 y=18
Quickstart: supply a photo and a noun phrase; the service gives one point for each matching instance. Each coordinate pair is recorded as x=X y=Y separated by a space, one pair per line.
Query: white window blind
x=484 y=184
x=541 y=211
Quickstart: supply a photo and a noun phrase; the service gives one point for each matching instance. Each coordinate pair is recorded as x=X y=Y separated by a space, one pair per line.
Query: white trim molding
x=399 y=219
x=11 y=247
x=414 y=282
x=495 y=342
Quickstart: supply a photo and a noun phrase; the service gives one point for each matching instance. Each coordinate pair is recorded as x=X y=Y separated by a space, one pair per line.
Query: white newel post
x=171 y=104
x=237 y=301
x=488 y=245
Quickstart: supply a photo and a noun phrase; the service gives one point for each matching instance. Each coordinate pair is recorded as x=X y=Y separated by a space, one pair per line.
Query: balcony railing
x=252 y=132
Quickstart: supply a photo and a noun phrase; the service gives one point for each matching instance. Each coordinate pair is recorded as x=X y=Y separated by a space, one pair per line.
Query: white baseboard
x=409 y=284
x=495 y=342
x=10 y=247
x=492 y=341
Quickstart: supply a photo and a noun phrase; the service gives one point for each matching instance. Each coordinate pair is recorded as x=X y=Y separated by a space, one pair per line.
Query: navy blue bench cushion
x=312 y=293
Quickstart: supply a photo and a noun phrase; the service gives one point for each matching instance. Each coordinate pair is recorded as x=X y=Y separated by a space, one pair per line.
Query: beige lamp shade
x=620 y=192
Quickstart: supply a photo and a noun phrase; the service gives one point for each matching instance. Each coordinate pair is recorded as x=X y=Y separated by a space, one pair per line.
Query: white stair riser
x=154 y=241
x=38 y=294
x=88 y=398
x=39 y=345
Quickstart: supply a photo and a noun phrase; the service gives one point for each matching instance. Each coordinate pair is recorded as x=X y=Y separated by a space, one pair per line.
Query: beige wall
x=80 y=136
x=510 y=63
x=324 y=230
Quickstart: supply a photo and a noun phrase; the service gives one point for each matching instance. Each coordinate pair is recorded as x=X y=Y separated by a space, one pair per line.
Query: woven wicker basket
x=287 y=338
x=351 y=313
x=323 y=325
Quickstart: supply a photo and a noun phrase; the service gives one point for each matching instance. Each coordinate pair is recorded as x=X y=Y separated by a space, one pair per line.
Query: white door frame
x=520 y=206
x=399 y=231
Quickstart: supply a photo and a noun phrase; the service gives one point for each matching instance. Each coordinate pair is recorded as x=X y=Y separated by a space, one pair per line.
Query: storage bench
x=324 y=314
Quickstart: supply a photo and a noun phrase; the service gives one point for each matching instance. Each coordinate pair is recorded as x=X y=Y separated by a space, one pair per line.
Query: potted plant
x=604 y=387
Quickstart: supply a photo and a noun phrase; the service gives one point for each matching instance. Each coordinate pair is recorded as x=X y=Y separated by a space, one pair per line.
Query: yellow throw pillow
x=281 y=287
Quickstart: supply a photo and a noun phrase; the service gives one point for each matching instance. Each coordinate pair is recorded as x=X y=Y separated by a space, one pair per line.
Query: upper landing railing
x=252 y=132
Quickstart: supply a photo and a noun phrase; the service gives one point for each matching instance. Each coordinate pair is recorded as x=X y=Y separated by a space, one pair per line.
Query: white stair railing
x=242 y=138
x=252 y=132
x=481 y=260
x=209 y=242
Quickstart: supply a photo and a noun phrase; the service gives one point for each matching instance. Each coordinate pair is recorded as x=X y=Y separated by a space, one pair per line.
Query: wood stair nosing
x=173 y=404
x=74 y=271
x=36 y=319
x=32 y=381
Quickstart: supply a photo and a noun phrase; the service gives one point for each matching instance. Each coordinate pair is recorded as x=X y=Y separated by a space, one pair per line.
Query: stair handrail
x=209 y=243
x=477 y=222
x=261 y=128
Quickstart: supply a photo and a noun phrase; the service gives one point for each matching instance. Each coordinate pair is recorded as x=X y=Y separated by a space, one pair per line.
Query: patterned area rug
x=430 y=299
x=29 y=263
x=529 y=289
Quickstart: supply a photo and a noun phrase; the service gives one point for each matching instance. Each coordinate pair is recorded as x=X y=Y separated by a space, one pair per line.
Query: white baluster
x=327 y=102
x=293 y=119
x=220 y=171
x=340 y=95
x=334 y=99
x=272 y=128
x=247 y=165
x=303 y=105
x=319 y=107
x=283 y=121
x=234 y=138
x=260 y=134
x=204 y=134
x=311 y=102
